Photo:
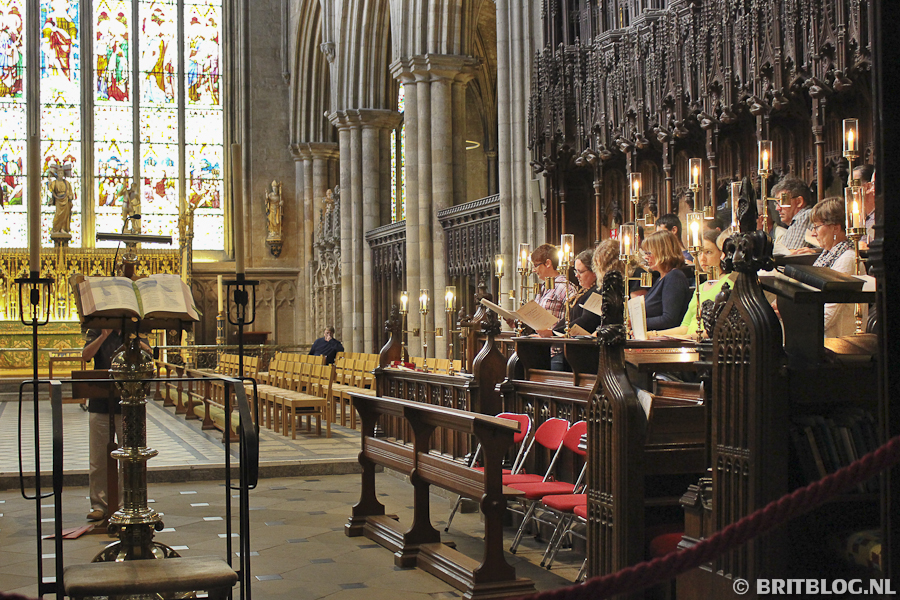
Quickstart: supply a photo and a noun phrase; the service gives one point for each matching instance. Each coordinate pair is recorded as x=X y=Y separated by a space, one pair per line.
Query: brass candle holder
x=853 y=202
x=696 y=181
x=525 y=269
x=694 y=223
x=635 y=187
x=764 y=168
x=404 y=314
x=449 y=305
x=424 y=300
x=566 y=262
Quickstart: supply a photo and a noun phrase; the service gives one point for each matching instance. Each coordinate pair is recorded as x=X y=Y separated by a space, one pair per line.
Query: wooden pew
x=475 y=391
x=420 y=545
x=760 y=381
x=627 y=446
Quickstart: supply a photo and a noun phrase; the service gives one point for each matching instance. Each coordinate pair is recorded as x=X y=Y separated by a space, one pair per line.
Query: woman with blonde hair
x=606 y=258
x=710 y=256
x=668 y=299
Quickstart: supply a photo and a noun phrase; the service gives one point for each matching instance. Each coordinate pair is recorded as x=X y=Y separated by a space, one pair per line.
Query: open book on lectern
x=158 y=296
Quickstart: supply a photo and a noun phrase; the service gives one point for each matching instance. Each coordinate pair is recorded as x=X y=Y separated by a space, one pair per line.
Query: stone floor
x=297 y=516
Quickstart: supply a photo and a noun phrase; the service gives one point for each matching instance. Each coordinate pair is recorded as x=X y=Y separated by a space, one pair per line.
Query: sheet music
x=537 y=317
x=532 y=314
x=594 y=304
x=638 y=313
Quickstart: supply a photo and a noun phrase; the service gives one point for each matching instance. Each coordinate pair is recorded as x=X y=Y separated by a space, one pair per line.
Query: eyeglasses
x=582 y=272
x=815 y=228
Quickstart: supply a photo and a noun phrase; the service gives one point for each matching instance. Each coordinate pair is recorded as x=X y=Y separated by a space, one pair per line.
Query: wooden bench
x=420 y=545
x=150 y=577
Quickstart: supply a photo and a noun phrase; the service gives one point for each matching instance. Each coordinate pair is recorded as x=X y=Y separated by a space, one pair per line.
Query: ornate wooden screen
x=325 y=268
x=388 y=246
x=472 y=232
x=622 y=83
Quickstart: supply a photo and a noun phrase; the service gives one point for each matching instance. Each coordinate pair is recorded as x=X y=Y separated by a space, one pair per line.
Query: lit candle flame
x=765 y=159
x=695 y=232
x=850 y=140
x=626 y=243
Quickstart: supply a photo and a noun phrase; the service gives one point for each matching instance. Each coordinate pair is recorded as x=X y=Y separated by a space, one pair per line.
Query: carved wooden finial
x=612 y=322
x=748 y=253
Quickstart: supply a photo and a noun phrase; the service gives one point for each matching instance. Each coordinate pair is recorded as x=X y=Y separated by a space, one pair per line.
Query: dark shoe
x=96 y=515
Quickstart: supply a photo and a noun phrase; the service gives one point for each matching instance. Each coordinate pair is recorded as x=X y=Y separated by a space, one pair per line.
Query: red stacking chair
x=563 y=507
x=550 y=435
x=522 y=439
x=535 y=492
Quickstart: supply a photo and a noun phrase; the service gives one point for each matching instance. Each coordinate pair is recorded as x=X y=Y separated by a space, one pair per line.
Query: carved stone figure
x=274 y=212
x=131 y=206
x=61 y=196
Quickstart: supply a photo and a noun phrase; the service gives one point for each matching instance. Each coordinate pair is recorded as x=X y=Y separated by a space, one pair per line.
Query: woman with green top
x=710 y=255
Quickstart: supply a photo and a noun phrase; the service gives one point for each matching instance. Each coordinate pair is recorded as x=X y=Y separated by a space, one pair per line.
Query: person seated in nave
x=667 y=300
x=828 y=228
x=795 y=215
x=710 y=256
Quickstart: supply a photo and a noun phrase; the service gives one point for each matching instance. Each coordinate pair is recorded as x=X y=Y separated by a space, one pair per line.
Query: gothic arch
x=311 y=83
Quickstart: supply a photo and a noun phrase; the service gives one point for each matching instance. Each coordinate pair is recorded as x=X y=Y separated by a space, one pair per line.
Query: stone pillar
x=313 y=180
x=518 y=34
x=361 y=131
x=437 y=163
x=411 y=158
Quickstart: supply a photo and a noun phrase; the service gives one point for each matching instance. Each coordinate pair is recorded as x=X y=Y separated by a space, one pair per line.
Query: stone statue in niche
x=274 y=213
x=61 y=196
x=131 y=207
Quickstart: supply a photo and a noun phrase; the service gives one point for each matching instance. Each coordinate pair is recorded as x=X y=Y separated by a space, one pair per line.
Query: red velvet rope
x=802 y=500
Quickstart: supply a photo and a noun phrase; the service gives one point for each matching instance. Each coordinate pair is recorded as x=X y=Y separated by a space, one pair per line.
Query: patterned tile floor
x=296 y=522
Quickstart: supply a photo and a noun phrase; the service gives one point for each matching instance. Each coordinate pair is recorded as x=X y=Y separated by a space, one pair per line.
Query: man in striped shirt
x=795 y=214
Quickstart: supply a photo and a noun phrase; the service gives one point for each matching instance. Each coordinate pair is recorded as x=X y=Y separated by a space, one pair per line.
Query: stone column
x=518 y=34
x=411 y=158
x=436 y=161
x=361 y=191
x=312 y=169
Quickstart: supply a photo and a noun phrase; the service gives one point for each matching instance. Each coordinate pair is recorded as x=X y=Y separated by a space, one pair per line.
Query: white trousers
x=99 y=437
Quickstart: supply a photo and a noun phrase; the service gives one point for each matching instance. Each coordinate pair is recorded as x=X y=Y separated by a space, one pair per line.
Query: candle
x=735 y=199
x=450 y=296
x=695 y=234
x=696 y=165
x=219 y=289
x=237 y=185
x=855 y=213
x=498 y=260
x=851 y=137
x=34 y=230
x=524 y=255
x=634 y=183
x=765 y=156
x=567 y=249
x=626 y=245
x=423 y=301
x=404 y=300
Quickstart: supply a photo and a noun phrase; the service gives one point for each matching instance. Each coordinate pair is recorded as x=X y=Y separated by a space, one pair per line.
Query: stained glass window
x=154 y=108
x=13 y=227
x=398 y=166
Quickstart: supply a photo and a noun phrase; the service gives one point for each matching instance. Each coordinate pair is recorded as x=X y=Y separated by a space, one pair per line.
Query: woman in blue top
x=668 y=299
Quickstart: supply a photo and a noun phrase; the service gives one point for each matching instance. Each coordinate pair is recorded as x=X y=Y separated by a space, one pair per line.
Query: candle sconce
x=635 y=186
x=764 y=168
x=856 y=230
x=525 y=269
x=694 y=224
x=567 y=261
x=696 y=181
x=628 y=256
x=449 y=307
x=424 y=300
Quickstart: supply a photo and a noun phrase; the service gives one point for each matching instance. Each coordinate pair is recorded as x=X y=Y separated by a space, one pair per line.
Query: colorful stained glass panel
x=60 y=52
x=158 y=41
x=12 y=48
x=112 y=55
x=201 y=53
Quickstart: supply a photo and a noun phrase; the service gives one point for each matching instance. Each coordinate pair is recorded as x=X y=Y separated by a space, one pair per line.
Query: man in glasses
x=794 y=214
